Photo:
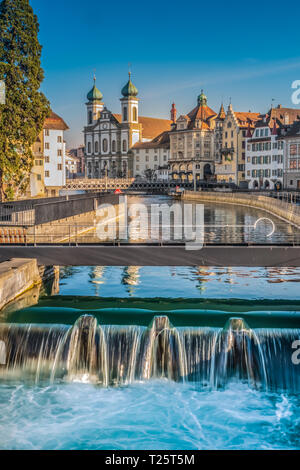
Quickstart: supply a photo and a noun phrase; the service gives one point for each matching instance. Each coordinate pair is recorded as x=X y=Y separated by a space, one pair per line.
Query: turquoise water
x=181 y=282
x=155 y=414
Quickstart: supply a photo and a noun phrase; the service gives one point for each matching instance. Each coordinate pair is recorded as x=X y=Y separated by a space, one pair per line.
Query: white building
x=109 y=137
x=150 y=159
x=71 y=165
x=54 y=154
x=265 y=155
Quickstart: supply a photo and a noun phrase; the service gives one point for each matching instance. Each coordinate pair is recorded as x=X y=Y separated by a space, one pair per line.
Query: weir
x=109 y=355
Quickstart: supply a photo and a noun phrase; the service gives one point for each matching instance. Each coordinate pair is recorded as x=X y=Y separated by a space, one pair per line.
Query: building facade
x=48 y=174
x=192 y=144
x=265 y=155
x=150 y=159
x=292 y=157
x=230 y=168
x=109 y=137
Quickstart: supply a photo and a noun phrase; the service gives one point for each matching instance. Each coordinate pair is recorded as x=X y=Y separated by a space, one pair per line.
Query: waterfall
x=119 y=355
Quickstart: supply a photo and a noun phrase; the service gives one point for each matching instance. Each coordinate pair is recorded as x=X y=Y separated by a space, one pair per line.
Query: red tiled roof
x=151 y=127
x=161 y=141
x=203 y=113
x=245 y=118
x=55 y=122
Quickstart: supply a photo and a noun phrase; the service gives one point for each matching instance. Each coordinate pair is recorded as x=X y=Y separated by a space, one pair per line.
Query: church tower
x=94 y=104
x=130 y=103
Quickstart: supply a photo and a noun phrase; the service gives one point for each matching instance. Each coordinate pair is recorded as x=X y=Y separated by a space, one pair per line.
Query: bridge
x=28 y=230
x=131 y=184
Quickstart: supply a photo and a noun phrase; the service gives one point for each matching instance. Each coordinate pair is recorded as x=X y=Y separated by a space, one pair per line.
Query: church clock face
x=104 y=126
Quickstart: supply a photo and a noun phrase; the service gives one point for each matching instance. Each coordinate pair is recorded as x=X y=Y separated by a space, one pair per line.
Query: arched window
x=104 y=145
x=125 y=113
x=113 y=145
x=124 y=146
x=96 y=147
x=134 y=114
x=90 y=117
x=89 y=147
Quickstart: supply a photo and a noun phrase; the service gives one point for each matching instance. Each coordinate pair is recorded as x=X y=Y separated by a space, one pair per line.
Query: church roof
x=55 y=122
x=94 y=94
x=161 y=141
x=151 y=127
x=129 y=89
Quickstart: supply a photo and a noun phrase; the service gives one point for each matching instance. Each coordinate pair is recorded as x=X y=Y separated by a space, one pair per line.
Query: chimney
x=173 y=113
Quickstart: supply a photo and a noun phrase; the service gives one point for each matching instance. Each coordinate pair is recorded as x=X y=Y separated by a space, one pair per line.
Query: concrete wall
x=281 y=209
x=17 y=276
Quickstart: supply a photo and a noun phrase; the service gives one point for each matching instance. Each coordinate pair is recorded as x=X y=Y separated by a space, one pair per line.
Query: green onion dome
x=129 y=89
x=94 y=94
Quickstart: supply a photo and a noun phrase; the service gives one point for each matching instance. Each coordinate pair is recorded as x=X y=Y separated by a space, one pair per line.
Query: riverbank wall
x=283 y=210
x=20 y=275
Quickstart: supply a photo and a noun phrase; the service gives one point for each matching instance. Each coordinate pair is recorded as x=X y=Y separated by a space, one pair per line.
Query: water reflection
x=185 y=282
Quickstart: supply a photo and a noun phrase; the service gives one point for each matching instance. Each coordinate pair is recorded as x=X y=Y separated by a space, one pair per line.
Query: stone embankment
x=20 y=275
x=283 y=210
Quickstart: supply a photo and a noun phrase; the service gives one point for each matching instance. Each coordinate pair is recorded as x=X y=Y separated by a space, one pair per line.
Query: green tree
x=25 y=109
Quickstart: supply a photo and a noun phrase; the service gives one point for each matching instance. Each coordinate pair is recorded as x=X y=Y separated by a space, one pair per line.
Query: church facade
x=109 y=137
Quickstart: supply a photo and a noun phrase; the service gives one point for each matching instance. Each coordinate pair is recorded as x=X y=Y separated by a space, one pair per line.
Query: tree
x=25 y=108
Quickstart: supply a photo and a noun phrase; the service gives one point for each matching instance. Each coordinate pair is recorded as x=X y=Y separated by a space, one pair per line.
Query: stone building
x=231 y=167
x=109 y=137
x=192 y=144
x=150 y=157
x=292 y=157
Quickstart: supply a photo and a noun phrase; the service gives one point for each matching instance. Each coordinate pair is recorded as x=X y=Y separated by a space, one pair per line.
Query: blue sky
x=248 y=51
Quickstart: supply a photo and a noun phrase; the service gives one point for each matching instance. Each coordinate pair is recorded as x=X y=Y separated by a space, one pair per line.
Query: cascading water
x=119 y=355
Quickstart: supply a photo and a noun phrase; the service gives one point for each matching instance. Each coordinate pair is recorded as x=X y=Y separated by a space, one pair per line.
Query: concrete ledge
x=142 y=255
x=17 y=276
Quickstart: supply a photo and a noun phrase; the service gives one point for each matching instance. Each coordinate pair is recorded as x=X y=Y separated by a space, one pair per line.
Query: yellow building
x=231 y=167
x=36 y=186
x=192 y=145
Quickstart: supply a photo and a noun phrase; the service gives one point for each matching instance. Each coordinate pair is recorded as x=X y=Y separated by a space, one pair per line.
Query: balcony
x=227 y=150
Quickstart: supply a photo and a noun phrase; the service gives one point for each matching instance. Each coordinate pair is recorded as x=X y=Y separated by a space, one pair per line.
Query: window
x=47 y=159
x=47 y=174
x=124 y=146
x=104 y=145
x=47 y=145
x=39 y=177
x=134 y=114
x=59 y=139
x=137 y=167
x=47 y=132
x=90 y=120
x=59 y=153
x=137 y=158
x=125 y=113
x=89 y=147
x=96 y=147
x=59 y=166
x=113 y=145
x=293 y=149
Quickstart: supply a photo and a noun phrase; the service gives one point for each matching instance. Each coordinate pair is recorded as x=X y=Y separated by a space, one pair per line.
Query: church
x=109 y=138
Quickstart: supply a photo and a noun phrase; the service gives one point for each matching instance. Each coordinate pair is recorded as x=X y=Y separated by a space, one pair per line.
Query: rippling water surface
x=157 y=415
